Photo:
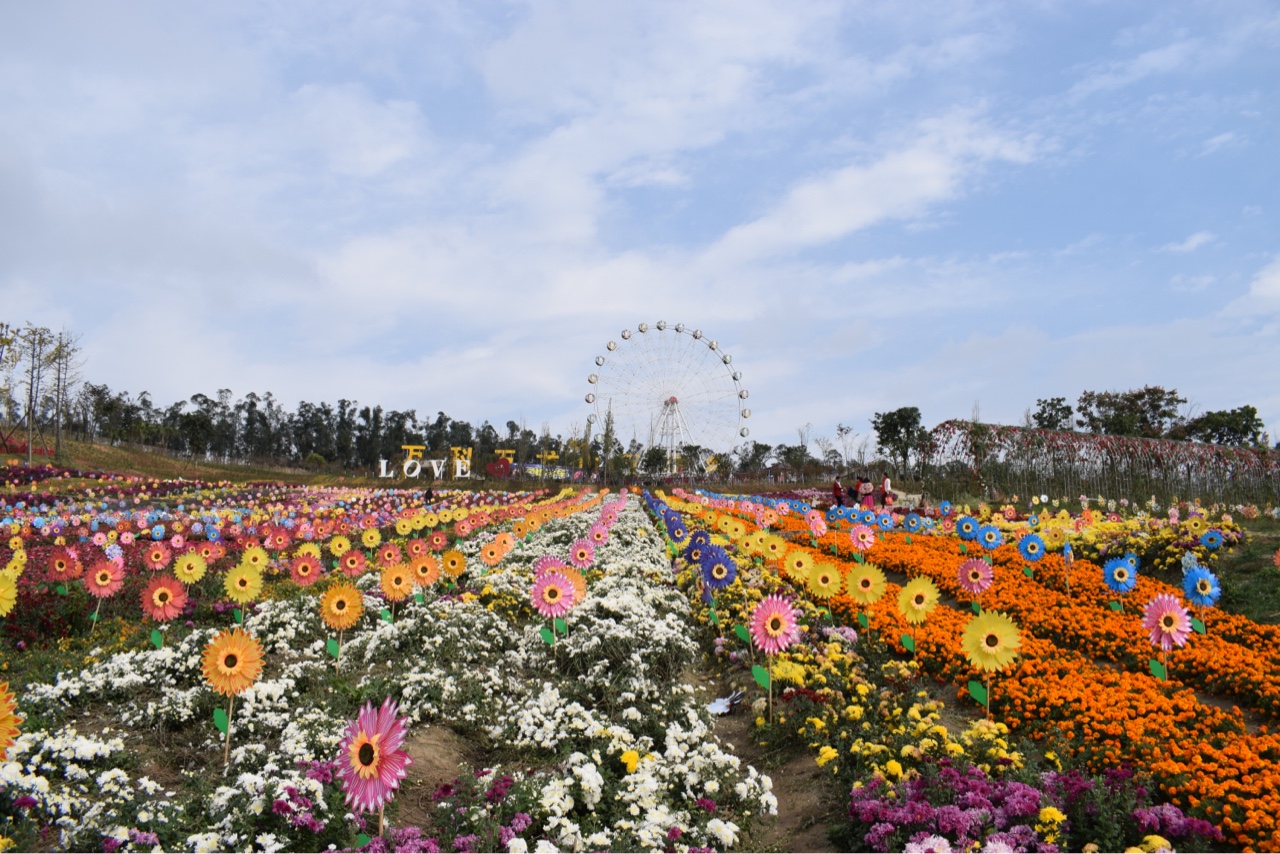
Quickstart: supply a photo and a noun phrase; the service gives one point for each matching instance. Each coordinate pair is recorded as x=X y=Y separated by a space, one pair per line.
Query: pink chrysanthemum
x=104 y=579
x=976 y=576
x=553 y=594
x=548 y=563
x=775 y=624
x=582 y=553
x=305 y=570
x=157 y=556
x=1168 y=622
x=817 y=524
x=862 y=536
x=370 y=761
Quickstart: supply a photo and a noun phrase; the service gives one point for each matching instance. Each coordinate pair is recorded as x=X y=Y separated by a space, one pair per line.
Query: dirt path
x=808 y=802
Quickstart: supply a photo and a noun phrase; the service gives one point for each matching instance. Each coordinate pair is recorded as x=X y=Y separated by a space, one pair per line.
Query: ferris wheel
x=669 y=386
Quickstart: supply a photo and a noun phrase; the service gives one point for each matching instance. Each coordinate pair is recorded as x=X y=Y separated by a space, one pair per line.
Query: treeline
x=259 y=429
x=1150 y=412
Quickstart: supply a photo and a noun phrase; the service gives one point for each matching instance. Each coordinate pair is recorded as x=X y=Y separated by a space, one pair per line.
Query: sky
x=960 y=206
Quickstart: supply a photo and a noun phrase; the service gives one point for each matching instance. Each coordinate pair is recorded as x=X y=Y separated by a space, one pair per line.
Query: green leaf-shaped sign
x=62 y=589
x=417 y=597
x=157 y=639
x=561 y=627
x=863 y=621
x=761 y=675
x=93 y=617
x=1116 y=606
x=547 y=636
x=385 y=614
x=964 y=549
x=978 y=692
x=977 y=609
x=1197 y=625
x=743 y=634
x=362 y=840
x=907 y=539
x=908 y=644
x=220 y=719
x=332 y=647
x=1157 y=670
x=1028 y=572
x=238 y=615
x=715 y=618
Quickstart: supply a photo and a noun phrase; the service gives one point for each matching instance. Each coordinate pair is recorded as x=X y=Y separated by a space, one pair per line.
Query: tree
x=1150 y=411
x=899 y=432
x=1240 y=427
x=751 y=456
x=35 y=344
x=1052 y=414
x=848 y=440
x=654 y=460
x=66 y=372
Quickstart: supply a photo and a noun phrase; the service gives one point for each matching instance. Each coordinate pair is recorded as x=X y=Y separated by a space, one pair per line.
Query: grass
x=1250 y=579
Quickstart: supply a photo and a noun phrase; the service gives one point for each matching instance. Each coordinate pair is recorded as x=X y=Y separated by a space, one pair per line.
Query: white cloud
x=1192 y=243
x=1216 y=143
x=359 y=135
x=1119 y=74
x=900 y=184
x=1191 y=284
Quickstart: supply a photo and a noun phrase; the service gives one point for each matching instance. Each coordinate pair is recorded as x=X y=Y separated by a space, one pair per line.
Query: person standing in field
x=867 y=492
x=837 y=493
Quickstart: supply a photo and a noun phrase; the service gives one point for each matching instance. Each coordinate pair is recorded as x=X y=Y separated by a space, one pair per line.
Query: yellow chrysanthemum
x=243 y=583
x=917 y=599
x=255 y=556
x=775 y=548
x=797 y=564
x=189 y=568
x=341 y=606
x=339 y=546
x=8 y=594
x=371 y=538
x=865 y=583
x=232 y=661
x=309 y=549
x=788 y=671
x=630 y=759
x=825 y=581
x=991 y=640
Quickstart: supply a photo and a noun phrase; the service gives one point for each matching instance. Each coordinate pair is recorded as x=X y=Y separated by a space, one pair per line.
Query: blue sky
x=454 y=206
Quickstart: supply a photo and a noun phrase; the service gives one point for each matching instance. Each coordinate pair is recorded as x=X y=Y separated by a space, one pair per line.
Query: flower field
x=136 y=745
x=201 y=666
x=1058 y=647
